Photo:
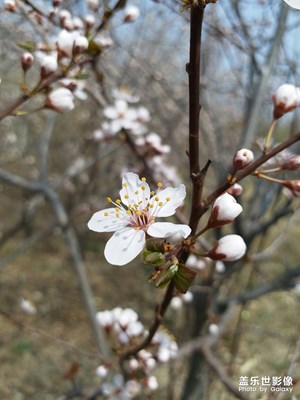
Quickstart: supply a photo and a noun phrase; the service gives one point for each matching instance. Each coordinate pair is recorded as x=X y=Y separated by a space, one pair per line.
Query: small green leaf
x=183 y=278
x=166 y=276
x=29 y=46
x=153 y=258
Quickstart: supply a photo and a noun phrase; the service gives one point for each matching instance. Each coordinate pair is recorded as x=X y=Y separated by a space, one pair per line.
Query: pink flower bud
x=235 y=190
x=285 y=99
x=27 y=61
x=131 y=13
x=60 y=100
x=224 y=210
x=228 y=248
x=242 y=158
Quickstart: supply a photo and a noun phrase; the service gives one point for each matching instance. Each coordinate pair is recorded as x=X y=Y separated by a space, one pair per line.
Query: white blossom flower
x=104 y=41
x=60 y=100
x=131 y=13
x=125 y=94
x=293 y=3
x=131 y=220
x=224 y=210
x=285 y=99
x=121 y=115
x=228 y=248
x=242 y=158
x=68 y=42
x=76 y=86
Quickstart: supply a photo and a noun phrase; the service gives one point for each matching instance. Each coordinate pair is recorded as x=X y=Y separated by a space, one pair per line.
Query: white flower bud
x=27 y=60
x=93 y=4
x=242 y=158
x=89 y=21
x=176 y=303
x=80 y=44
x=152 y=383
x=224 y=210
x=214 y=329
x=60 y=100
x=131 y=13
x=293 y=3
x=285 y=99
x=10 y=5
x=102 y=371
x=48 y=66
x=228 y=248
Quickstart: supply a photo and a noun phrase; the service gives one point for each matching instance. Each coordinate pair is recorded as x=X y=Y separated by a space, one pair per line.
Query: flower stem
x=269 y=135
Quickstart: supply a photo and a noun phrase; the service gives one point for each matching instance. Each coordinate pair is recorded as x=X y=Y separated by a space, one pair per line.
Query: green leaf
x=166 y=276
x=153 y=258
x=183 y=278
x=29 y=46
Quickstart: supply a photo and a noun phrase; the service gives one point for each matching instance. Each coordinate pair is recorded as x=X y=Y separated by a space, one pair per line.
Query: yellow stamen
x=128 y=212
x=126 y=196
x=136 y=192
x=159 y=185
x=108 y=199
x=144 y=179
x=117 y=215
x=125 y=185
x=160 y=203
x=152 y=192
x=156 y=198
x=106 y=214
x=168 y=199
x=118 y=201
x=143 y=187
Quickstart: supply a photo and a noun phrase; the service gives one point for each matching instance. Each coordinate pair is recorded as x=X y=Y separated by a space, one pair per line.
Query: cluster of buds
x=124 y=329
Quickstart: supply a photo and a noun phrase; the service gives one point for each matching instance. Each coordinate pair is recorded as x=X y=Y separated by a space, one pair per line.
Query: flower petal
x=106 y=221
x=168 y=229
x=134 y=191
x=176 y=196
x=124 y=246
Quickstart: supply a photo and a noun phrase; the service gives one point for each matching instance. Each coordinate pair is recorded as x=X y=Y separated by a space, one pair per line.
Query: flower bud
x=224 y=210
x=285 y=99
x=235 y=190
x=293 y=3
x=48 y=66
x=292 y=163
x=60 y=100
x=242 y=158
x=80 y=44
x=26 y=61
x=293 y=185
x=56 y=3
x=153 y=258
x=93 y=4
x=228 y=248
x=131 y=13
x=10 y=5
x=89 y=21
